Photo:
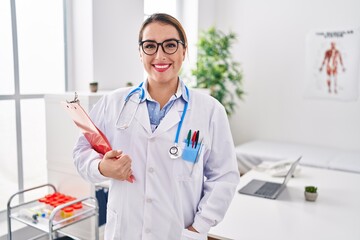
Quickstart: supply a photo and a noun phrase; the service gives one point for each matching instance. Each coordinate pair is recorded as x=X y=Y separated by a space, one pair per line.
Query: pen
x=193 y=139
x=188 y=137
x=197 y=138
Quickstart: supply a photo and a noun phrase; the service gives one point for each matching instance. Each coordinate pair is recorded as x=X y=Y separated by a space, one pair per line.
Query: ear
x=184 y=53
x=141 y=56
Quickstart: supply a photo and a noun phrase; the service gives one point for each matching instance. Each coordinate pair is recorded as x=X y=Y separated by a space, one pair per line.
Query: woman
x=174 y=141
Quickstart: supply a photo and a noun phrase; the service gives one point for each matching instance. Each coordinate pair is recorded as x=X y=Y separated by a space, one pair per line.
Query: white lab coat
x=165 y=198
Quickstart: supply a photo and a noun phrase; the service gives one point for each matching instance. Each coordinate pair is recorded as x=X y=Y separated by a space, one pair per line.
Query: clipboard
x=95 y=137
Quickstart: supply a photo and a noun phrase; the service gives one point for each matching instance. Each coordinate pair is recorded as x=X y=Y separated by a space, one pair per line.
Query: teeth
x=161 y=66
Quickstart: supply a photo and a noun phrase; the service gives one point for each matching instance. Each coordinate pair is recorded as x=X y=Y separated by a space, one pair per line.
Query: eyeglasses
x=169 y=46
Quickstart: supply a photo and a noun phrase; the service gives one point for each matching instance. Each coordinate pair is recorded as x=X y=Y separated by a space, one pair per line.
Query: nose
x=160 y=54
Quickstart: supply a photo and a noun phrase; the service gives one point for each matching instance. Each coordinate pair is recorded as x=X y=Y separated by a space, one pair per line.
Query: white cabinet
x=61 y=136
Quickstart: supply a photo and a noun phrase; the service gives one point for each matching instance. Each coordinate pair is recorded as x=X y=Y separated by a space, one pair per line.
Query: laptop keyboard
x=267 y=189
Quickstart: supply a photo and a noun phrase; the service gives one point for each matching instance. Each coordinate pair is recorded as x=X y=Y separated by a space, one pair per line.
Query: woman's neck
x=162 y=92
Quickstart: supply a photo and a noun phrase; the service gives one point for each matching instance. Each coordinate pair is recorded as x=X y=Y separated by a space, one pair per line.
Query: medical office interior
x=278 y=117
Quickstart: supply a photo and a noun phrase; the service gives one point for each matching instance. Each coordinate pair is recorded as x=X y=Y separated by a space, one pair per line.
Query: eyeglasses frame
x=161 y=44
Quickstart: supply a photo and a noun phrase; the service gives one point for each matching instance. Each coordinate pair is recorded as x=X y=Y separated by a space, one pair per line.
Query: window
x=32 y=62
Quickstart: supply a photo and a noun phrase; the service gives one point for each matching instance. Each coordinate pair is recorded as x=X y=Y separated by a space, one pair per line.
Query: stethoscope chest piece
x=175 y=152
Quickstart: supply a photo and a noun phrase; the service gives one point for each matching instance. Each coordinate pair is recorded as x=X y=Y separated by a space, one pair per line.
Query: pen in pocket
x=193 y=139
x=188 y=139
x=197 y=138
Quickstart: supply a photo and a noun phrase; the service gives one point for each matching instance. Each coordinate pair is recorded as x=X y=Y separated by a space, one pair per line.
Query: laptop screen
x=291 y=171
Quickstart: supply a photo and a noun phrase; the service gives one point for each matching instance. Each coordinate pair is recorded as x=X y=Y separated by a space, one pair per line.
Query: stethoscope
x=130 y=107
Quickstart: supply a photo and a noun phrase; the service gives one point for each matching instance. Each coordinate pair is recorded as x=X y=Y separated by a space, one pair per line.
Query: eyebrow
x=150 y=40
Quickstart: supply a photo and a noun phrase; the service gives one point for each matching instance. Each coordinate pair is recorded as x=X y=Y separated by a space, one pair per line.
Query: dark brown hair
x=167 y=19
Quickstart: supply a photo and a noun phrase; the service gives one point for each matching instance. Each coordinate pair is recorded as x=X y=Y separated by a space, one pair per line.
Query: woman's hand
x=191 y=228
x=116 y=165
x=190 y=233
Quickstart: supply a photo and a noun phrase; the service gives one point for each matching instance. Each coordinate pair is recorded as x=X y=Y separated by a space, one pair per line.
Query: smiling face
x=162 y=67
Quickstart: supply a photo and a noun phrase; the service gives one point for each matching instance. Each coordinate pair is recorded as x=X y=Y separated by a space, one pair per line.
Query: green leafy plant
x=311 y=189
x=215 y=68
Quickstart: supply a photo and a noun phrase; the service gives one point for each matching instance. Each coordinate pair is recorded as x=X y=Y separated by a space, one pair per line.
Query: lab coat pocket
x=190 y=153
x=112 y=225
x=187 y=170
x=190 y=235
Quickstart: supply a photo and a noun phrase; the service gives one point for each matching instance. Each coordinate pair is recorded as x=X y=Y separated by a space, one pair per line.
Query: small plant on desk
x=311 y=189
x=311 y=193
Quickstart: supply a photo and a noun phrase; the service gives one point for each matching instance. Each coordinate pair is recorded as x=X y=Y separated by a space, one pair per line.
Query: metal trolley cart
x=52 y=224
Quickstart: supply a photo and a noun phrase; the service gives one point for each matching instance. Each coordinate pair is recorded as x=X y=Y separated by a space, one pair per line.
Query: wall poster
x=333 y=64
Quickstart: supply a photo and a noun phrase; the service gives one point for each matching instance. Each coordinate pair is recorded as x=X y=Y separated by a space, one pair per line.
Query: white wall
x=116 y=56
x=271 y=48
x=80 y=44
x=187 y=14
x=103 y=43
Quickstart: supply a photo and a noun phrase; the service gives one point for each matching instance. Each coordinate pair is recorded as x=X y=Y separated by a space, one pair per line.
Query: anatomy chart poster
x=332 y=64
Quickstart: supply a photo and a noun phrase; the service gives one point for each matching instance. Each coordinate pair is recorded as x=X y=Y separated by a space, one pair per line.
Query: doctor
x=174 y=141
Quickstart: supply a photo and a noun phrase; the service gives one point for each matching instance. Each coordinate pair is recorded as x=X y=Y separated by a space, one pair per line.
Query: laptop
x=266 y=189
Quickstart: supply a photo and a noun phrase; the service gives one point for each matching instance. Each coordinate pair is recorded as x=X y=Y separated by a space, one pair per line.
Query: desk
x=335 y=214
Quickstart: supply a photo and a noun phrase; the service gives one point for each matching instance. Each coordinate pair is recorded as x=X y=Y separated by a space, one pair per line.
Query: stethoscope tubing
x=139 y=88
x=182 y=117
x=174 y=150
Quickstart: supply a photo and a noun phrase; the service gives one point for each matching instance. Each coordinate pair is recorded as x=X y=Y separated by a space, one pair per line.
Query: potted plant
x=93 y=86
x=215 y=68
x=311 y=193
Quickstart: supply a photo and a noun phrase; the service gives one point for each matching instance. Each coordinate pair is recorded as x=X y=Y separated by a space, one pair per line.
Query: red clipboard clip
x=96 y=138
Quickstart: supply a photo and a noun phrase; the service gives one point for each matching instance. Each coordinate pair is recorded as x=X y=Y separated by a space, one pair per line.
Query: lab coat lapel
x=142 y=116
x=171 y=119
